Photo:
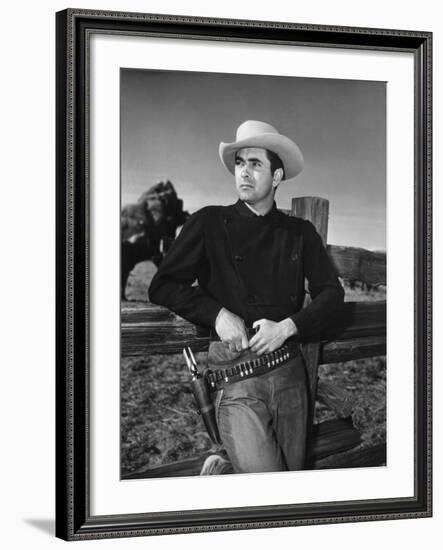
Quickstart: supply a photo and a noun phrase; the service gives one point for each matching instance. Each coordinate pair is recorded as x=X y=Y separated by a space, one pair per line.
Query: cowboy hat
x=254 y=133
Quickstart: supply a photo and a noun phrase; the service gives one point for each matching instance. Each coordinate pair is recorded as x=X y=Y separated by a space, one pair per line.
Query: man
x=250 y=261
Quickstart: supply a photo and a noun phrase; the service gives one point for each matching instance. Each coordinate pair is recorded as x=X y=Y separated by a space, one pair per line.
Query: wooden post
x=316 y=210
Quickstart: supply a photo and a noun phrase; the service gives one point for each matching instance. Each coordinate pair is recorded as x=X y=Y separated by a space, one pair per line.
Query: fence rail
x=153 y=329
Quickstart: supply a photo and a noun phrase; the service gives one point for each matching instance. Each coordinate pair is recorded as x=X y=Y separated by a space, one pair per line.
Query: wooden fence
x=360 y=332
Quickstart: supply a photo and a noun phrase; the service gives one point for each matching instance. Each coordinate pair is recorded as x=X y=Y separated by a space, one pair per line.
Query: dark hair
x=275 y=161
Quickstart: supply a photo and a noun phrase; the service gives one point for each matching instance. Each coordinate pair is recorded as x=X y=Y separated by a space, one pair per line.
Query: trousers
x=262 y=420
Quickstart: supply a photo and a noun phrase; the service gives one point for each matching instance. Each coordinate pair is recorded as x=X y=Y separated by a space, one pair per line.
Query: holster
x=205 y=405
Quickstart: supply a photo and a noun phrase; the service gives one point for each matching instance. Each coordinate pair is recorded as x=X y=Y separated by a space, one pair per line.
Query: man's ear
x=278 y=175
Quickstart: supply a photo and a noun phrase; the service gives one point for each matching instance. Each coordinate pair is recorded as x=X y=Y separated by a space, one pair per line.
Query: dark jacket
x=254 y=266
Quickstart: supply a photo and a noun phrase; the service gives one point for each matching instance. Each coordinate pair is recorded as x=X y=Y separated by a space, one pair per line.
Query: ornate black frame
x=73 y=518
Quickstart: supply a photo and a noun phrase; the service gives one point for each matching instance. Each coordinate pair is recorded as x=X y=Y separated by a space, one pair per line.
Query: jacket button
x=293 y=298
x=238 y=258
x=294 y=257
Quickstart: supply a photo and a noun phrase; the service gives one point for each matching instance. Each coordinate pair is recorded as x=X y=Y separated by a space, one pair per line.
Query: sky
x=173 y=121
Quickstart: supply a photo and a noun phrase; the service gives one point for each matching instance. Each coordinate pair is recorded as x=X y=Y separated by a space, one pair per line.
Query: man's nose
x=245 y=171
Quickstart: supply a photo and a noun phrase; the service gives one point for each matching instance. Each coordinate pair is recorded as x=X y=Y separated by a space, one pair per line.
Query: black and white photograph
x=243 y=275
x=220 y=234
x=253 y=273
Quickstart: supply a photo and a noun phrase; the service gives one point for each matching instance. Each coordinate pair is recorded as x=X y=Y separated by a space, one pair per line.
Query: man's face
x=253 y=178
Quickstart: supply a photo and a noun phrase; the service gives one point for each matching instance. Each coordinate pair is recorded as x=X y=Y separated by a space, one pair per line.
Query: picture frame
x=75 y=519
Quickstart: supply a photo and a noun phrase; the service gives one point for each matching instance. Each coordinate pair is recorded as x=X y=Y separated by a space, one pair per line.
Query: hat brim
x=285 y=148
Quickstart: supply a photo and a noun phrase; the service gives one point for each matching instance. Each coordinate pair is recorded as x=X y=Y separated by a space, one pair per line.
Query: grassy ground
x=158 y=419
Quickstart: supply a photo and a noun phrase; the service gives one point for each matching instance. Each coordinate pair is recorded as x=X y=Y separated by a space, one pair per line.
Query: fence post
x=316 y=210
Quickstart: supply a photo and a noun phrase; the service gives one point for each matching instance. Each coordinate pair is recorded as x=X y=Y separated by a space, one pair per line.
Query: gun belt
x=267 y=362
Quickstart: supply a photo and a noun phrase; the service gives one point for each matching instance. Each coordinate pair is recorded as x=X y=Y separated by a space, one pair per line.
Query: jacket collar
x=243 y=210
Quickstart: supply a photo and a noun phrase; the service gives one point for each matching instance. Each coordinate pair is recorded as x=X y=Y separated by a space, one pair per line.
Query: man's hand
x=271 y=335
x=231 y=329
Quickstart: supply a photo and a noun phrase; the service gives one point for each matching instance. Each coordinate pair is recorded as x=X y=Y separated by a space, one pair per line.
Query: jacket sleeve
x=325 y=289
x=173 y=284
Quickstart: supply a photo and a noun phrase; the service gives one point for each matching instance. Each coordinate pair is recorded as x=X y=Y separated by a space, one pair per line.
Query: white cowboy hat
x=254 y=133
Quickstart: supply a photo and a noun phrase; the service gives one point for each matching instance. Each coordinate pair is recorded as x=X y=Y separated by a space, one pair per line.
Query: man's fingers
x=232 y=347
x=258 y=325
x=244 y=341
x=236 y=344
x=257 y=341
x=261 y=350
x=264 y=346
x=253 y=341
x=259 y=347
